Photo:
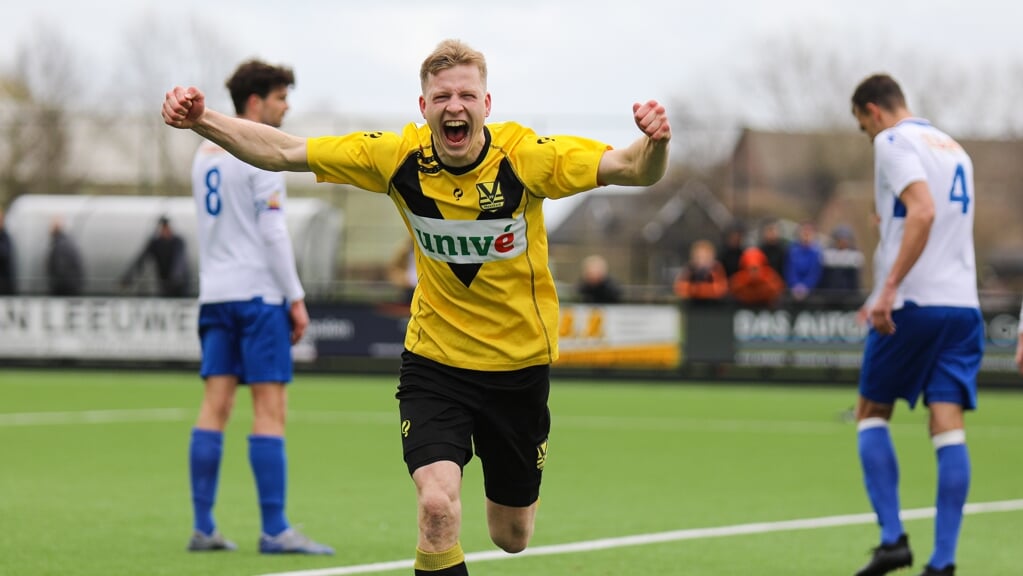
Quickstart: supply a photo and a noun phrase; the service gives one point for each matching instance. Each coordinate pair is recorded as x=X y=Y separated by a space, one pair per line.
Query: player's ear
x=252 y=103
x=486 y=100
x=874 y=110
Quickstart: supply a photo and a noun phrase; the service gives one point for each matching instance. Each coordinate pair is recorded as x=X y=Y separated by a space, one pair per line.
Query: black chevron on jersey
x=407 y=183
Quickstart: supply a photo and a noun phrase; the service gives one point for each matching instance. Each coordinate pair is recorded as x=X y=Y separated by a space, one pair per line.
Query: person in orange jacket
x=756 y=284
x=703 y=279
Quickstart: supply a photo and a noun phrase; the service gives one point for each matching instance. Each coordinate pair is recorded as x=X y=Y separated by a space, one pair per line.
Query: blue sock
x=953 y=485
x=881 y=475
x=269 y=466
x=204 y=454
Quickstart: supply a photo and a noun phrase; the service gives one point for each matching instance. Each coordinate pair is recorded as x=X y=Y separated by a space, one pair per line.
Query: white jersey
x=945 y=274
x=244 y=248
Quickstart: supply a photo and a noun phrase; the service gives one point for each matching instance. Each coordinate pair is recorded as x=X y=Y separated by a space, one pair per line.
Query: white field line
x=660 y=537
x=95 y=417
x=626 y=423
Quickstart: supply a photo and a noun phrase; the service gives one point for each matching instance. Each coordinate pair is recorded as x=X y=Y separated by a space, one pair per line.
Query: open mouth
x=456 y=131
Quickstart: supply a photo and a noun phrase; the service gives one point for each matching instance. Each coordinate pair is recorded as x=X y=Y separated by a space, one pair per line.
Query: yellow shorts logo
x=541 y=455
x=405 y=426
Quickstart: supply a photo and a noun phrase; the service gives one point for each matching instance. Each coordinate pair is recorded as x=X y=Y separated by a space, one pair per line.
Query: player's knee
x=512 y=538
x=224 y=408
x=438 y=509
x=216 y=412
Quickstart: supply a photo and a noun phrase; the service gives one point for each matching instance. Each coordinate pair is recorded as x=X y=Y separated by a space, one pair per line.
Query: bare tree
x=158 y=54
x=34 y=126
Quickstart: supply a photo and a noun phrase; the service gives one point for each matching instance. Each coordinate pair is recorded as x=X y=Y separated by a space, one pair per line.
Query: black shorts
x=446 y=411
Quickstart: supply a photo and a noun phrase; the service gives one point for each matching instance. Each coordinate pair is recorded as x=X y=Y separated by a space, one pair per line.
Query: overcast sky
x=558 y=65
x=546 y=57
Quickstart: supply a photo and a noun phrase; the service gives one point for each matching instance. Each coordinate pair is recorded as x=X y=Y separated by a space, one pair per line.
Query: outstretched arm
x=644 y=161
x=257 y=144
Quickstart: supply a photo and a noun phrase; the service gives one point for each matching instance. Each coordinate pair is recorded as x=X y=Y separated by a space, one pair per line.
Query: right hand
x=182 y=107
x=881 y=312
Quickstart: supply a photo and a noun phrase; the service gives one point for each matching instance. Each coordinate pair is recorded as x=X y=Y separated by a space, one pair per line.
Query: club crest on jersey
x=491 y=197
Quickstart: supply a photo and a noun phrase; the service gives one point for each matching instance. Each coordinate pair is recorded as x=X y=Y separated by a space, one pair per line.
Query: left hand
x=652 y=119
x=299 y=320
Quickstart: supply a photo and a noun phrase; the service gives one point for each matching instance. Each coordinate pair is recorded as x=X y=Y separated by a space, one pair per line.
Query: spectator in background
x=63 y=263
x=803 y=264
x=756 y=284
x=732 y=247
x=167 y=250
x=774 y=247
x=7 y=278
x=842 y=264
x=595 y=284
x=703 y=280
x=401 y=270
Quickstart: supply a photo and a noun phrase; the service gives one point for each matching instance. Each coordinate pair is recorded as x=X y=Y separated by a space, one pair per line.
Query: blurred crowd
x=760 y=268
x=764 y=270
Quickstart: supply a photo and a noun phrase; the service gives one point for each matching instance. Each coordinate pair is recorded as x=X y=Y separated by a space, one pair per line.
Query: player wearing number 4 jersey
x=926 y=334
x=251 y=310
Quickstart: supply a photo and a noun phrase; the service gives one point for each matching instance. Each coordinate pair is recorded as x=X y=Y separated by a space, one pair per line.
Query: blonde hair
x=451 y=53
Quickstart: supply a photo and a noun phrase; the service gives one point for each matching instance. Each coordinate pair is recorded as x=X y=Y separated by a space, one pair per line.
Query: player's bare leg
x=438 y=490
x=269 y=408
x=511 y=527
x=217 y=403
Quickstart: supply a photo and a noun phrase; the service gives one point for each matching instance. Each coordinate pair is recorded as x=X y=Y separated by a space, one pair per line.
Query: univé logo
x=465 y=245
x=469 y=241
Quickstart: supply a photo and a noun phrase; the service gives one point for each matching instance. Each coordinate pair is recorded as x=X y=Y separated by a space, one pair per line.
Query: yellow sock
x=434 y=561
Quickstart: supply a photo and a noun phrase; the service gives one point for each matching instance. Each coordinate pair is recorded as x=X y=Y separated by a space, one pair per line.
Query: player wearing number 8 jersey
x=926 y=333
x=251 y=310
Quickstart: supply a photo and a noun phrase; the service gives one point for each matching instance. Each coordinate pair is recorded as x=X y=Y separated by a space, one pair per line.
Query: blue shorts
x=935 y=350
x=250 y=340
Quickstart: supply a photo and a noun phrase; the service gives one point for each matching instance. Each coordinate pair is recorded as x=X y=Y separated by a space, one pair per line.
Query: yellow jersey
x=485 y=299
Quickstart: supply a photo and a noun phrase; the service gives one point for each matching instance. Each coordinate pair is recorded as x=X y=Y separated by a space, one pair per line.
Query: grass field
x=93 y=480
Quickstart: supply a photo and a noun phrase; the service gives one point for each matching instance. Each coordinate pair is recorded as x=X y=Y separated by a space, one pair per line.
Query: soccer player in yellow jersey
x=483 y=332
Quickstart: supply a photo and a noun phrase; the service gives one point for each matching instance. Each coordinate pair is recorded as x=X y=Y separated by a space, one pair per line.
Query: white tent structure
x=111 y=232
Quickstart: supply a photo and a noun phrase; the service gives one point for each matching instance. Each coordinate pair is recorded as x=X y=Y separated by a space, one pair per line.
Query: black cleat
x=949 y=570
x=889 y=557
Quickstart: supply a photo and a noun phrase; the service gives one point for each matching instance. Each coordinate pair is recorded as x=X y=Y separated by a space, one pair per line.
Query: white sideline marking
x=95 y=417
x=659 y=537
